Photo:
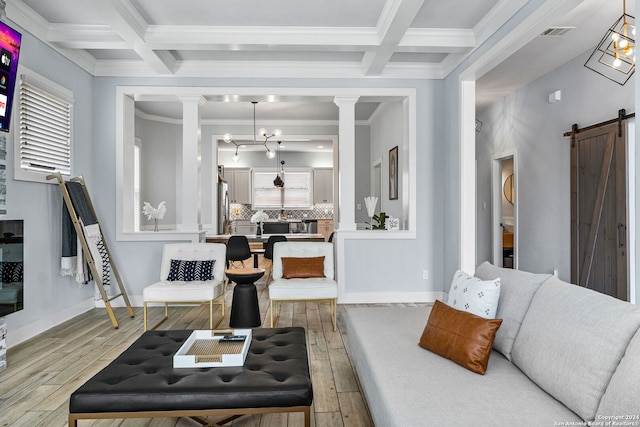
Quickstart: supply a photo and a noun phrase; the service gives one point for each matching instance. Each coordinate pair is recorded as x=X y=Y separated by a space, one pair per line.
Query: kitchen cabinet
x=239 y=182
x=323 y=186
x=325 y=227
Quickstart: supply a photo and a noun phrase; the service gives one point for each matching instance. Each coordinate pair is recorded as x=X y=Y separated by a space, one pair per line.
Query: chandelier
x=615 y=56
x=228 y=138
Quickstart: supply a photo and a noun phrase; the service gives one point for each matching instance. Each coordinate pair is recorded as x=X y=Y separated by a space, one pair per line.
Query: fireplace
x=11 y=266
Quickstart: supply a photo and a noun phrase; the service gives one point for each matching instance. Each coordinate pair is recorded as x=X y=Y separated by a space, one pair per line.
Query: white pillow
x=468 y=293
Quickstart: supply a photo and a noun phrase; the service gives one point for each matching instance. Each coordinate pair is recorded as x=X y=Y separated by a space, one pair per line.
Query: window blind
x=45 y=129
x=295 y=194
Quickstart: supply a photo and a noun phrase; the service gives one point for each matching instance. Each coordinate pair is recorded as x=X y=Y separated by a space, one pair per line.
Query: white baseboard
x=388 y=297
x=23 y=333
x=343 y=298
x=134 y=300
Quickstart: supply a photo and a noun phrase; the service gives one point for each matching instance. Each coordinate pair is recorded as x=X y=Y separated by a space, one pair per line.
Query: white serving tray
x=195 y=352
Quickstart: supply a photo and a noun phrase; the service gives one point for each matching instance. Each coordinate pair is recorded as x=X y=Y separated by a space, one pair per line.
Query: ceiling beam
x=448 y=40
x=395 y=19
x=270 y=38
x=127 y=22
x=319 y=39
x=85 y=37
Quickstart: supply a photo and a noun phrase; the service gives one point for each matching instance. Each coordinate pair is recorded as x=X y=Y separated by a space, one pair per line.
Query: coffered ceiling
x=284 y=38
x=303 y=39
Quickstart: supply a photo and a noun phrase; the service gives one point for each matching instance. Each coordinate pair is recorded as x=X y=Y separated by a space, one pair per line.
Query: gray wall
x=139 y=261
x=47 y=295
x=528 y=124
x=363 y=171
x=388 y=265
x=449 y=133
x=159 y=149
x=386 y=133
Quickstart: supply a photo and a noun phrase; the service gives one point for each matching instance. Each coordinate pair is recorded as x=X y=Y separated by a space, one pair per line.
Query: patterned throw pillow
x=11 y=271
x=473 y=295
x=189 y=271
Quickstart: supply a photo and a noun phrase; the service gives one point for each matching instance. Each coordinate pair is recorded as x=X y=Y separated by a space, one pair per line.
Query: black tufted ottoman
x=142 y=383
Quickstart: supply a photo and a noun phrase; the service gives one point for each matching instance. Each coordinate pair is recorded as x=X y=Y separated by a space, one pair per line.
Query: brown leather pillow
x=302 y=268
x=460 y=336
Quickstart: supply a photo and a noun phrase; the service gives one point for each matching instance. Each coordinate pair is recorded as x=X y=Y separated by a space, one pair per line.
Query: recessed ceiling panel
x=452 y=13
x=315 y=13
x=417 y=57
x=65 y=11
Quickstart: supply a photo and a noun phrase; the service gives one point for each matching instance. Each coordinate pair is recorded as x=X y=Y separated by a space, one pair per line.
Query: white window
x=44 y=128
x=296 y=193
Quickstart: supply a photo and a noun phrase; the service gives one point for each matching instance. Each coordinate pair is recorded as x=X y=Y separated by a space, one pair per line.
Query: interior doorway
x=505 y=208
x=376 y=184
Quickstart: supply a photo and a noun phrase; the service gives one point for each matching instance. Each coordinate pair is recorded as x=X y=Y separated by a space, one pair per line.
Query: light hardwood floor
x=44 y=371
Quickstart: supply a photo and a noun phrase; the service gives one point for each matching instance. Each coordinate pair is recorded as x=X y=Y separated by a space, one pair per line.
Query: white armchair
x=190 y=290
x=302 y=289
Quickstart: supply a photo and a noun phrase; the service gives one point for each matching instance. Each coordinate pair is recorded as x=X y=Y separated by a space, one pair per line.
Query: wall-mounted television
x=9 y=52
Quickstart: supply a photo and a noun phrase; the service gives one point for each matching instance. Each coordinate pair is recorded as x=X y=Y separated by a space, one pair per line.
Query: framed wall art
x=393 y=173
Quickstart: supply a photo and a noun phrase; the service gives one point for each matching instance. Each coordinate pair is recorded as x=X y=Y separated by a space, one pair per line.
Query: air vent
x=556 y=31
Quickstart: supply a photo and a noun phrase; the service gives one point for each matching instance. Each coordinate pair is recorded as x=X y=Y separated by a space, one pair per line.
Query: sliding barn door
x=598 y=210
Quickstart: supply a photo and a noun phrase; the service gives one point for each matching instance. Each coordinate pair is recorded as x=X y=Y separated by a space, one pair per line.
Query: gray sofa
x=562 y=356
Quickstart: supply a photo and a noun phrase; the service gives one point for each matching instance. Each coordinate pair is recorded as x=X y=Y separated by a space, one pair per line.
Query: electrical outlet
x=425 y=274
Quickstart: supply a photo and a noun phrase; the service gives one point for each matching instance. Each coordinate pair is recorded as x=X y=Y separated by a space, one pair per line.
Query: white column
x=467 y=176
x=188 y=197
x=347 y=161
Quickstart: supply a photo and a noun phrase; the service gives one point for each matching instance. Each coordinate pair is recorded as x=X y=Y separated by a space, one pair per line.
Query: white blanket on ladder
x=98 y=253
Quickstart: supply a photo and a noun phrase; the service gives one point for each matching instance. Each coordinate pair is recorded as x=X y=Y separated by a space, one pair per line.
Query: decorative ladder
x=77 y=225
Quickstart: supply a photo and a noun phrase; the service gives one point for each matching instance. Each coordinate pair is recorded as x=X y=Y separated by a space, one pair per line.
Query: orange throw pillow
x=460 y=336
x=302 y=268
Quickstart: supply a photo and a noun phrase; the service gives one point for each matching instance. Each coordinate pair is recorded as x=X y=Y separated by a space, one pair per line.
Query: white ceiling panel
x=452 y=13
x=280 y=13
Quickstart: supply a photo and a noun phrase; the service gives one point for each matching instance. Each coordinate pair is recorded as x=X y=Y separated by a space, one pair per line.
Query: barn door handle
x=621 y=235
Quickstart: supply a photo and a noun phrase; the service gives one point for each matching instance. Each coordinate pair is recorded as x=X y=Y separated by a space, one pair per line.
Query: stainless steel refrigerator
x=223 y=206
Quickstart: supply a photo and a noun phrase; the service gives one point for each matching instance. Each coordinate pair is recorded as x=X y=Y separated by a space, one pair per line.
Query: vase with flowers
x=370 y=203
x=259 y=218
x=154 y=214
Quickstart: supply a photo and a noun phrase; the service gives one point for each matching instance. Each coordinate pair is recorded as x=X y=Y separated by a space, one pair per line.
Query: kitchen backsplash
x=240 y=211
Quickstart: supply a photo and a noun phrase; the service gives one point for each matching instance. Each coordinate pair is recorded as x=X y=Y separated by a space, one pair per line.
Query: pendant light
x=615 y=57
x=279 y=182
x=228 y=138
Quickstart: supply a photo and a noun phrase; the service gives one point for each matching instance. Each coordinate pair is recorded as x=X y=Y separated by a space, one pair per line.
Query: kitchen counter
x=223 y=238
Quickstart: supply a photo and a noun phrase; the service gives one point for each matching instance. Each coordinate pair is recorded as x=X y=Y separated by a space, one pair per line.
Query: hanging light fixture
x=279 y=182
x=615 y=56
x=228 y=138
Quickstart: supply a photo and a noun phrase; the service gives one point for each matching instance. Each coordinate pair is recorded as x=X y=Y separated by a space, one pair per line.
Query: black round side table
x=245 y=312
